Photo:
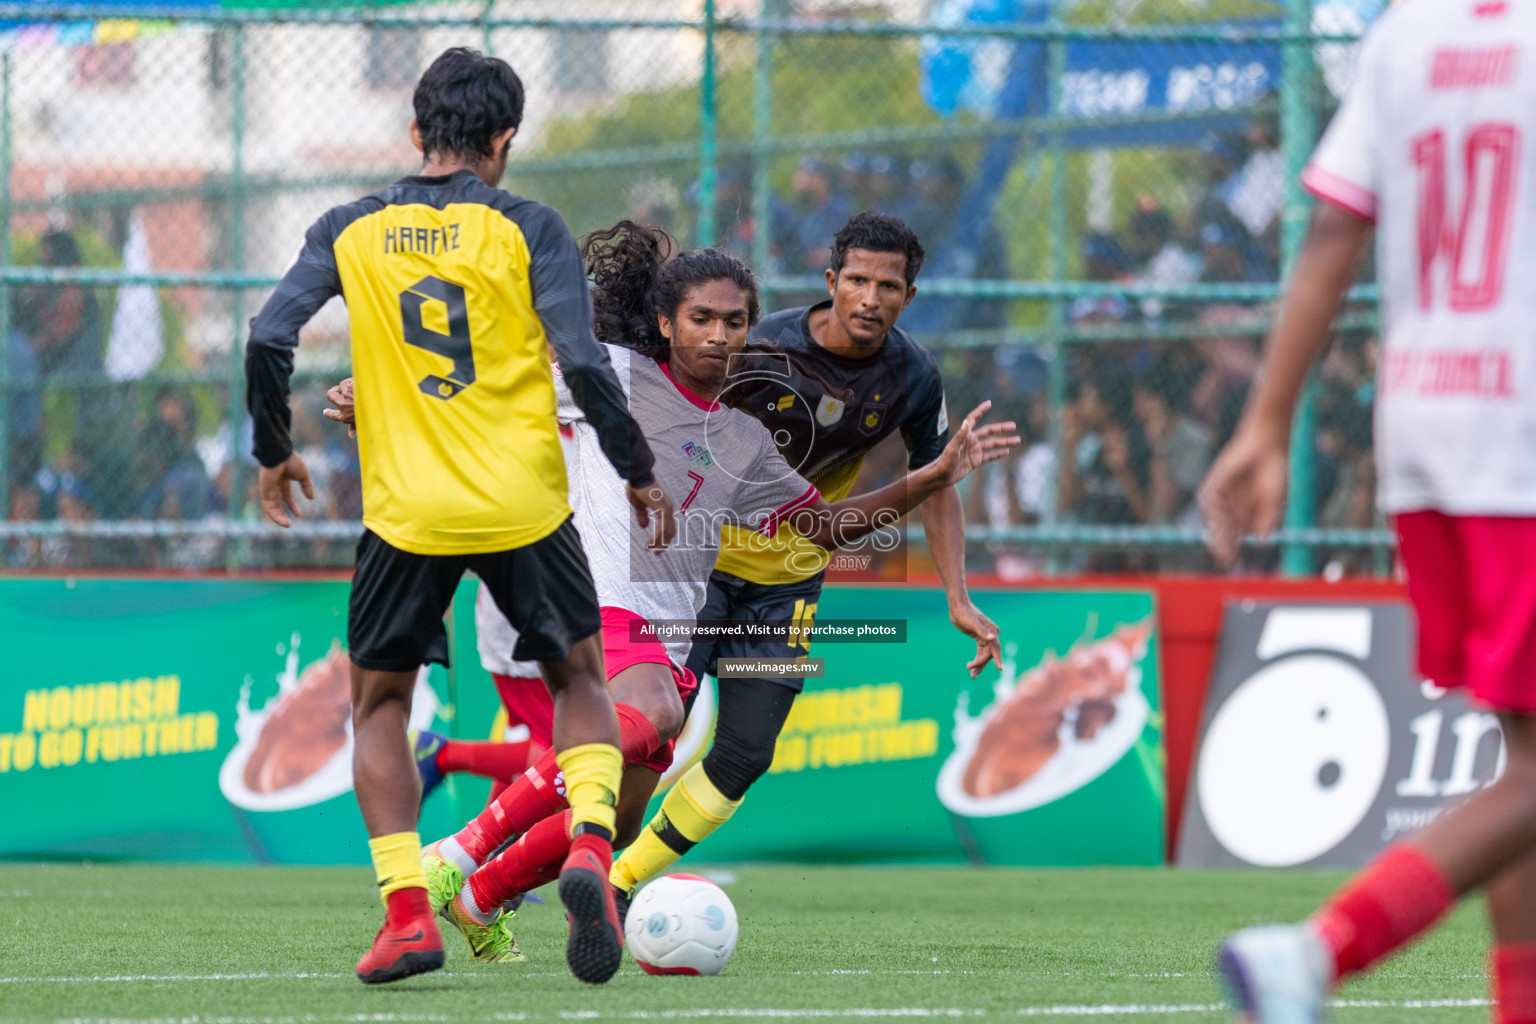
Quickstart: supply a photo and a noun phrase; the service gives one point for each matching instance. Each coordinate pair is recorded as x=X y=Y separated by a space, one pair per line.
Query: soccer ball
x=681 y=924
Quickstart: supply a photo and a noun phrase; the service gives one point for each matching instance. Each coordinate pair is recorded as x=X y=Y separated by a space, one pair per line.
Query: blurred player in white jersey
x=1430 y=148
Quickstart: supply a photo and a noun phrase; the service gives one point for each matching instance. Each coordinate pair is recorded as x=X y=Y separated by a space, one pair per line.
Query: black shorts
x=733 y=599
x=395 y=617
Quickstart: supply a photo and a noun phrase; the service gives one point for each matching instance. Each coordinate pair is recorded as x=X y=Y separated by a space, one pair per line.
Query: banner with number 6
x=1319 y=745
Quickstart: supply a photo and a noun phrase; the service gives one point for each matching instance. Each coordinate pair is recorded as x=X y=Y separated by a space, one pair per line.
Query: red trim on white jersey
x=775 y=520
x=687 y=392
x=1336 y=190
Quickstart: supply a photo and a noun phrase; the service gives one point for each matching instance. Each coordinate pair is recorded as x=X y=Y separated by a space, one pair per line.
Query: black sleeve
x=564 y=306
x=926 y=428
x=309 y=284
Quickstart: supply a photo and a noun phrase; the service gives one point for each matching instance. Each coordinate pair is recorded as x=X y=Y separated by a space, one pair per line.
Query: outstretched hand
x=274 y=486
x=346 y=411
x=974 y=446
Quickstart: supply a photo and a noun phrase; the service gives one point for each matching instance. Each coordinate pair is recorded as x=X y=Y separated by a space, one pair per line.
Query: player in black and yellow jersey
x=830 y=381
x=456 y=292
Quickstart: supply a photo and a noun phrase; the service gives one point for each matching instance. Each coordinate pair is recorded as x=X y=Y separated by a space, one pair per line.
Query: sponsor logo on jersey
x=699 y=454
x=943 y=418
x=828 y=411
x=784 y=403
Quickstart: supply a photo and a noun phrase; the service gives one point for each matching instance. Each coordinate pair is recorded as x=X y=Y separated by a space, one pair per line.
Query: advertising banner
x=210 y=720
x=1319 y=745
x=895 y=754
x=182 y=720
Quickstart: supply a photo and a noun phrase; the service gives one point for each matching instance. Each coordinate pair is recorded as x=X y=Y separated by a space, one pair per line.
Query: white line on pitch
x=109 y=978
x=1147 y=1010
x=101 y=979
x=202 y=1018
x=1408 y=1004
x=872 y=1011
x=1129 y=1010
x=779 y=1013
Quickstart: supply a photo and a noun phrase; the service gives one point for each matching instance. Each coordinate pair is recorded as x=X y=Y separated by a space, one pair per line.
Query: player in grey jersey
x=726 y=469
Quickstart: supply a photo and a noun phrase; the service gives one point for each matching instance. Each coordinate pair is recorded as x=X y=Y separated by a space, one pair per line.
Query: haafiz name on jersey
x=426 y=241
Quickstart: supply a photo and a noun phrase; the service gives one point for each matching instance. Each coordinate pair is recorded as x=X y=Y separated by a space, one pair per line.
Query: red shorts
x=528 y=700
x=1472 y=581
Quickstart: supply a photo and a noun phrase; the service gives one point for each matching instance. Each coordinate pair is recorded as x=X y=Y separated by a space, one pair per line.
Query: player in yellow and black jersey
x=456 y=290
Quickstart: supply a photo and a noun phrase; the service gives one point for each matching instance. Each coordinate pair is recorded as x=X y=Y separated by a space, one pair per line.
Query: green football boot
x=444 y=879
x=488 y=943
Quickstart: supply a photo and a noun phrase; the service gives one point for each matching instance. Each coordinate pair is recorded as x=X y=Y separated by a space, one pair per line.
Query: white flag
x=137 y=342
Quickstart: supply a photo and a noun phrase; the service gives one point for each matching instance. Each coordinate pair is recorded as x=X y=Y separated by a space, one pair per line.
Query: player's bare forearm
x=854 y=518
x=1324 y=270
x=944 y=526
x=972 y=447
x=1245 y=491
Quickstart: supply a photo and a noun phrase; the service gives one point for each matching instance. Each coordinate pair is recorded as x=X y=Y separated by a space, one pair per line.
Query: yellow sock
x=592 y=773
x=397 y=862
x=693 y=810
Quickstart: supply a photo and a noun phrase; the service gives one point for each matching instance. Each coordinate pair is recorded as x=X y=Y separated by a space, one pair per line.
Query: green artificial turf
x=140 y=943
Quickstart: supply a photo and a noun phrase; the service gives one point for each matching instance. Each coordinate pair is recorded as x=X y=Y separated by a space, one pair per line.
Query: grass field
x=134 y=944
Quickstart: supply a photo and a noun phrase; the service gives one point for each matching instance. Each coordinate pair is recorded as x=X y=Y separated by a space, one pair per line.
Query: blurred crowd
x=1159 y=391
x=1152 y=385
x=84 y=447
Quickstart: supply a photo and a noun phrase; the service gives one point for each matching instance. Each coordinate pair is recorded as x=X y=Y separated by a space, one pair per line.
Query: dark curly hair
x=877 y=232
x=638 y=274
x=463 y=100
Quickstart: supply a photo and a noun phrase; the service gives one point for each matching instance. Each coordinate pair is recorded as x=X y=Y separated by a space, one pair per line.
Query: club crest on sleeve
x=870 y=418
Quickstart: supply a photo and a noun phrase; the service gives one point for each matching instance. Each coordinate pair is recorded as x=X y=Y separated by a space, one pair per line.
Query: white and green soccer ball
x=681 y=924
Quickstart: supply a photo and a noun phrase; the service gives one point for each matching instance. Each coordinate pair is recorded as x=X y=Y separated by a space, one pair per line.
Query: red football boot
x=595 y=947
x=408 y=943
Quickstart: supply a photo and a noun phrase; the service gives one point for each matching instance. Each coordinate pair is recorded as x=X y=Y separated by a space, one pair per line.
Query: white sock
x=450 y=850
x=467 y=900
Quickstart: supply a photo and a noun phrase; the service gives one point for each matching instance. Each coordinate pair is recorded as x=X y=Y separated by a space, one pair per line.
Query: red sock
x=502 y=761
x=406 y=905
x=499 y=786
x=525 y=865
x=532 y=797
x=1397 y=896
x=598 y=845
x=540 y=791
x=637 y=736
x=1512 y=970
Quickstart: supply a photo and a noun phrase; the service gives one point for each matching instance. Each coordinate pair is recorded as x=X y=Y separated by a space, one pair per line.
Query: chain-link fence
x=1105 y=189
